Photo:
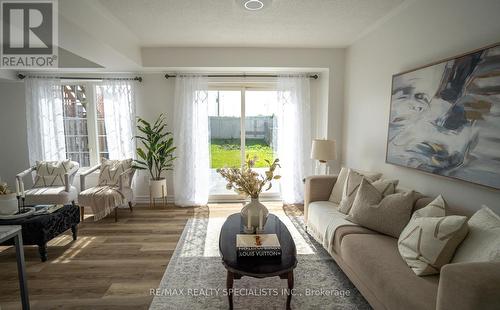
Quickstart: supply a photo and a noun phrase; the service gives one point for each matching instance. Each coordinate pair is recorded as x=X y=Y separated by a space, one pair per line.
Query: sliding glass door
x=243 y=123
x=261 y=130
x=224 y=114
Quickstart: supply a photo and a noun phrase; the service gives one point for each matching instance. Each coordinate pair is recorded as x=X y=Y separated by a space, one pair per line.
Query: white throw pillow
x=338 y=187
x=51 y=173
x=430 y=239
x=111 y=170
x=482 y=244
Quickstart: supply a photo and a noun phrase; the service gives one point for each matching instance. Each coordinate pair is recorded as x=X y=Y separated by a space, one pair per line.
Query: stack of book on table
x=46 y=209
x=258 y=246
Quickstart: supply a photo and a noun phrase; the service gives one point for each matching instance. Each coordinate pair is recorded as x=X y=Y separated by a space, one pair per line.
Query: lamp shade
x=323 y=150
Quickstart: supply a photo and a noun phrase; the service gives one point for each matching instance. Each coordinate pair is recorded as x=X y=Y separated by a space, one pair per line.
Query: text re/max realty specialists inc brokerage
x=210 y=292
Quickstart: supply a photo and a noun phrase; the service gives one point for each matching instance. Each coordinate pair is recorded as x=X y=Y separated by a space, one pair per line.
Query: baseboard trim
x=145 y=199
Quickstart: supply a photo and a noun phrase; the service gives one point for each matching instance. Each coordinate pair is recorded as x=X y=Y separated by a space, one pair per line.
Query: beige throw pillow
x=338 y=187
x=51 y=173
x=388 y=215
x=429 y=240
x=111 y=170
x=385 y=186
x=482 y=244
x=351 y=186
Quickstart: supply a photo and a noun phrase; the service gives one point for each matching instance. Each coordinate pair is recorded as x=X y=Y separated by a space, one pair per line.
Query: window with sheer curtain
x=84 y=127
x=83 y=122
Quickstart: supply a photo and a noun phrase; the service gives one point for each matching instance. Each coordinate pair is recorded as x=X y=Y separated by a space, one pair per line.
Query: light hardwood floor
x=110 y=266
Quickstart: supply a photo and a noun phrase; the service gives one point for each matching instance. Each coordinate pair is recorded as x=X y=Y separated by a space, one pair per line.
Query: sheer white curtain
x=118 y=101
x=294 y=136
x=191 y=136
x=44 y=114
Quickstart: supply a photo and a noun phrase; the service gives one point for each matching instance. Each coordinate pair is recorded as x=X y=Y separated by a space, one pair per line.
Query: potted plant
x=155 y=154
x=248 y=182
x=8 y=201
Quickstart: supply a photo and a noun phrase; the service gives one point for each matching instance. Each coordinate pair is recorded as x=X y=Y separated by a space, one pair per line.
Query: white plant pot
x=8 y=204
x=254 y=208
x=158 y=188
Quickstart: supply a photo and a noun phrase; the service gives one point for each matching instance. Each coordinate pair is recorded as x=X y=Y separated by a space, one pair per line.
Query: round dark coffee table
x=257 y=267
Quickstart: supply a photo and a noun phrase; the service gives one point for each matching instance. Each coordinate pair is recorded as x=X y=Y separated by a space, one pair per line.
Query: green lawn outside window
x=226 y=152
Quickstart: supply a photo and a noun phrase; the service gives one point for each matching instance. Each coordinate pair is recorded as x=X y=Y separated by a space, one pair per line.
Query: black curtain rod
x=167 y=76
x=137 y=78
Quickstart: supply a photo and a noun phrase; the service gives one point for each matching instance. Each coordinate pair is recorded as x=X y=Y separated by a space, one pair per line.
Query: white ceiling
x=283 y=23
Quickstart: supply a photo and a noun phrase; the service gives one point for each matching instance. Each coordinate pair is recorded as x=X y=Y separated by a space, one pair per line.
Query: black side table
x=40 y=229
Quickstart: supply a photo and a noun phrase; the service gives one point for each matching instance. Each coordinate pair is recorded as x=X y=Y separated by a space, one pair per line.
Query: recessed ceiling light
x=253 y=5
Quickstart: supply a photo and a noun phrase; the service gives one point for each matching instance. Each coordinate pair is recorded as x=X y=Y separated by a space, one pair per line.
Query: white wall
x=13 y=139
x=422 y=32
x=155 y=96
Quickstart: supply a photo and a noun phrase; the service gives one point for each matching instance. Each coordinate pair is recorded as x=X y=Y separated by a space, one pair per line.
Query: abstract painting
x=445 y=118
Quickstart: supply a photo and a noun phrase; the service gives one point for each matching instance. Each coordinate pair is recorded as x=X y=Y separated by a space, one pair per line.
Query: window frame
x=92 y=130
x=242 y=87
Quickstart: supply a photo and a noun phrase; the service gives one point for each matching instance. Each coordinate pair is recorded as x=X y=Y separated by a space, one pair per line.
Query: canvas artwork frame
x=445 y=118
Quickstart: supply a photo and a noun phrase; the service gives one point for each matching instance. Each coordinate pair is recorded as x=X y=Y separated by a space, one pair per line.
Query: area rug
x=196 y=279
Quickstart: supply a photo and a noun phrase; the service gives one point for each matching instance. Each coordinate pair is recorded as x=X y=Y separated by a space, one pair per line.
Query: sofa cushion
x=376 y=262
x=385 y=186
x=338 y=187
x=387 y=215
x=351 y=186
x=343 y=231
x=482 y=244
x=323 y=221
x=319 y=216
x=429 y=240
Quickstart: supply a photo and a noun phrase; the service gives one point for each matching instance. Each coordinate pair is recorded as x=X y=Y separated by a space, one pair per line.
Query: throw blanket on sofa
x=323 y=220
x=102 y=200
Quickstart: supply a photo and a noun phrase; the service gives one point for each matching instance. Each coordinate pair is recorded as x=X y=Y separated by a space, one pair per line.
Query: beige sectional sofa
x=373 y=263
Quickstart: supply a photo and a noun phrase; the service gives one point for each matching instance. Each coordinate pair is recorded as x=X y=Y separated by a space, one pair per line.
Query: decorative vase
x=158 y=188
x=252 y=214
x=8 y=204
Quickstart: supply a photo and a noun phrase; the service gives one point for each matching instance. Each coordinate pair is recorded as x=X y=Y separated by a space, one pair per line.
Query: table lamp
x=323 y=150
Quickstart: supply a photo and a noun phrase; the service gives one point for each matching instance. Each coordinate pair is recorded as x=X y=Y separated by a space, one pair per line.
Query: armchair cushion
x=51 y=173
x=111 y=170
x=50 y=195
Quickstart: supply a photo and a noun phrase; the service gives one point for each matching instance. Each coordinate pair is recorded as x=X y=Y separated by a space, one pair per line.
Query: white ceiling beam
x=88 y=30
x=7 y=74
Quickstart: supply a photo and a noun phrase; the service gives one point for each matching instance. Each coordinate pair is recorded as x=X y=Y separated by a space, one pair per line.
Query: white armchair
x=104 y=198
x=56 y=193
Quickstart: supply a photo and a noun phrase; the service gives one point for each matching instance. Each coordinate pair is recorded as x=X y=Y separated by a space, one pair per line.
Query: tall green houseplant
x=156 y=154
